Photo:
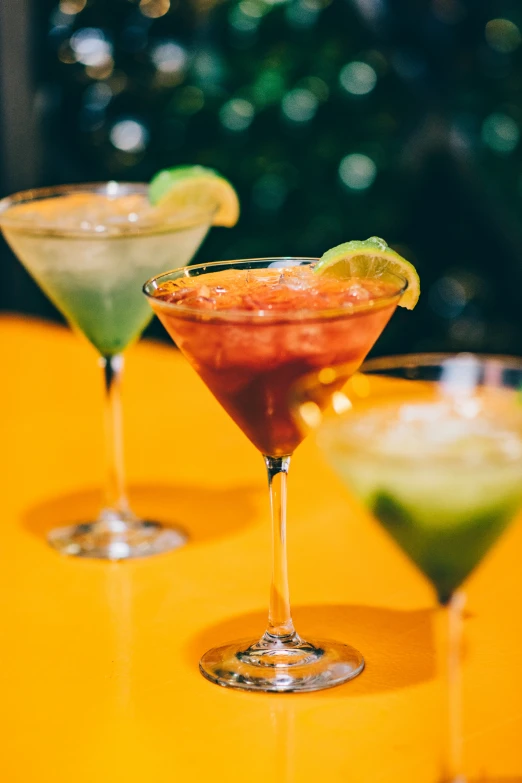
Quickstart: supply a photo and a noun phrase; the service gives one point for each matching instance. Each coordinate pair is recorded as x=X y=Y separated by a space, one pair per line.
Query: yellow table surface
x=99 y=675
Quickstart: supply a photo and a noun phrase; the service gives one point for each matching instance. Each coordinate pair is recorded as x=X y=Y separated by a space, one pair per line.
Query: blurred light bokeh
x=334 y=119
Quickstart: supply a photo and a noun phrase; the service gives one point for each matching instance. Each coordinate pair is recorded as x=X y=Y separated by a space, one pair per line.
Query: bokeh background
x=334 y=119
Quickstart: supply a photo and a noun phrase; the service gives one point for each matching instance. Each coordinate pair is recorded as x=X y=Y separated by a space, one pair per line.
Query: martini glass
x=89 y=247
x=432 y=444
x=250 y=328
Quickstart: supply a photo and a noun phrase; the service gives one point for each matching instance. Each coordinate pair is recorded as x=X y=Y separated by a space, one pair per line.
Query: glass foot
x=115 y=537
x=281 y=667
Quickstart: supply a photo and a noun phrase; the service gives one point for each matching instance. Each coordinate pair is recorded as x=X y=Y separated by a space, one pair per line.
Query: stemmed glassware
x=250 y=328
x=432 y=444
x=89 y=247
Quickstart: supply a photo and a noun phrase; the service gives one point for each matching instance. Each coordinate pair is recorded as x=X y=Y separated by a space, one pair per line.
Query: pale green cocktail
x=90 y=252
x=90 y=247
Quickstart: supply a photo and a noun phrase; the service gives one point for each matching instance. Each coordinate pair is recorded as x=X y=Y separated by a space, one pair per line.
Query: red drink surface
x=250 y=334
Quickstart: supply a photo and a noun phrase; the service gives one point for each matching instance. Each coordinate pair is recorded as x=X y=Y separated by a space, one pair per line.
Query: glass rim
x=427 y=359
x=406 y=361
x=161 y=225
x=150 y=285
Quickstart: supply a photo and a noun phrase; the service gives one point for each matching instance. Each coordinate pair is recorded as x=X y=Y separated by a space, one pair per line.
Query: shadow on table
x=202 y=512
x=398 y=646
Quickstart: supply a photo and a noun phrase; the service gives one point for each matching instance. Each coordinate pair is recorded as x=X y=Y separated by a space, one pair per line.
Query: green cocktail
x=90 y=247
x=432 y=445
x=91 y=250
x=444 y=486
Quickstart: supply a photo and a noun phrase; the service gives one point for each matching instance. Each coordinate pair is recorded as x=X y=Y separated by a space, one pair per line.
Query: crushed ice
x=415 y=430
x=271 y=289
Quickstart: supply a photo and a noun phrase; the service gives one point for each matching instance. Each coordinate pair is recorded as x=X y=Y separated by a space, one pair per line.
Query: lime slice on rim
x=371 y=258
x=184 y=186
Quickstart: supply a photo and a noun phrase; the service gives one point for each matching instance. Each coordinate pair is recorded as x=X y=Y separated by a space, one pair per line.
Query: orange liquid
x=249 y=361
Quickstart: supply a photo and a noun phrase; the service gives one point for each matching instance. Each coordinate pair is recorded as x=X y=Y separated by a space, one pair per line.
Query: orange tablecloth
x=98 y=661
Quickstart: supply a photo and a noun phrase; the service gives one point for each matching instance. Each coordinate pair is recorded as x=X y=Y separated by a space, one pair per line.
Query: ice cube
x=357 y=293
x=283 y=263
x=295 y=281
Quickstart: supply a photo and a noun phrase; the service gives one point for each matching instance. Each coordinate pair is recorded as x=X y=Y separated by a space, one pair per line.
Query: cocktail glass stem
x=281 y=660
x=280 y=625
x=115 y=495
x=452 y=621
x=117 y=533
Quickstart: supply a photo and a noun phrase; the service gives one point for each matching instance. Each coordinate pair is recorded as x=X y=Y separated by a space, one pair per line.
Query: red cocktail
x=251 y=329
x=250 y=333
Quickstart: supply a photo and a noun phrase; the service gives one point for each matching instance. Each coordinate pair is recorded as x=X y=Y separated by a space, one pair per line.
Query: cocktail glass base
x=116 y=537
x=284 y=667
